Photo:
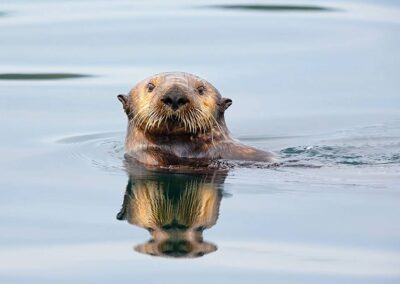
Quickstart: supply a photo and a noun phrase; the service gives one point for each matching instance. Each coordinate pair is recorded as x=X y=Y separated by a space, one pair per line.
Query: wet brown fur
x=193 y=135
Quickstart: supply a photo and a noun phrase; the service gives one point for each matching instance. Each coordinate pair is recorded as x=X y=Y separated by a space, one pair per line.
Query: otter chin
x=177 y=119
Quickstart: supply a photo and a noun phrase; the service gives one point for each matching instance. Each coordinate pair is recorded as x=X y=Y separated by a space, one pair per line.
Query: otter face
x=177 y=242
x=174 y=103
x=176 y=248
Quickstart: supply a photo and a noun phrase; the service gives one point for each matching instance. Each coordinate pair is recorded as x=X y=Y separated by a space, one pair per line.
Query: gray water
x=317 y=83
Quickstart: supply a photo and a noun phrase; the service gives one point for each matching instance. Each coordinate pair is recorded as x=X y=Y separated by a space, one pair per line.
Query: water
x=318 y=86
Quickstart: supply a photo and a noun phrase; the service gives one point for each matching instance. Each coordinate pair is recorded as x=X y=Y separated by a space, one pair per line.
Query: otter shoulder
x=233 y=150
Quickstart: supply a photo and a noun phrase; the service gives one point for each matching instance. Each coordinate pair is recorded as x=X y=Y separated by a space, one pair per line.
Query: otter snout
x=175 y=98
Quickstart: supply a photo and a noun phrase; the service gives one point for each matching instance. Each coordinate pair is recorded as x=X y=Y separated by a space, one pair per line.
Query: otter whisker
x=191 y=122
x=195 y=125
x=181 y=119
x=201 y=119
x=151 y=120
x=216 y=123
x=194 y=117
x=141 y=116
x=188 y=122
x=154 y=118
x=160 y=120
x=190 y=115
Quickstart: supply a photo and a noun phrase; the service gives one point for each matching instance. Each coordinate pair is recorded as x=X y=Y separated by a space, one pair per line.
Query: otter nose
x=175 y=98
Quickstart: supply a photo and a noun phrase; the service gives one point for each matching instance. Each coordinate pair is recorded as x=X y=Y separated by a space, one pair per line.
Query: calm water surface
x=317 y=83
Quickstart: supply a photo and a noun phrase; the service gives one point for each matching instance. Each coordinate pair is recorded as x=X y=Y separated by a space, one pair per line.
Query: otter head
x=175 y=103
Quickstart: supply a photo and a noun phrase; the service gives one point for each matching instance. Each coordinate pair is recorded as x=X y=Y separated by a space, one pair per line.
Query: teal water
x=319 y=87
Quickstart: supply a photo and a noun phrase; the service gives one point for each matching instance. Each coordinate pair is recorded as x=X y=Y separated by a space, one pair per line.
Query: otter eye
x=150 y=87
x=201 y=90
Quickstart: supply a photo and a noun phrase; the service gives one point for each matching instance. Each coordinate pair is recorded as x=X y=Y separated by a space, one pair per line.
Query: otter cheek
x=209 y=103
x=211 y=106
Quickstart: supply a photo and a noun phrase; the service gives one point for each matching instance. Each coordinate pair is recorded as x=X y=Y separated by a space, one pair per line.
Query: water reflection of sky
x=316 y=86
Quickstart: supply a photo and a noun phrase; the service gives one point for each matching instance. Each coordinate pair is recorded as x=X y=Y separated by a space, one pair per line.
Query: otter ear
x=225 y=103
x=122 y=213
x=124 y=99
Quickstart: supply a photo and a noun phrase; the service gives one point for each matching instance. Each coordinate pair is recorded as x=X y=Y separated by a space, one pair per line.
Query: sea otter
x=177 y=119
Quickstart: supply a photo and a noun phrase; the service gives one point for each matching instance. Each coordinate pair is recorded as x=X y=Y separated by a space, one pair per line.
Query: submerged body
x=177 y=119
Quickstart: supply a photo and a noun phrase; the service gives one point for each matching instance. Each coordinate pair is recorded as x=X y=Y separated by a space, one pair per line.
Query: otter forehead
x=176 y=78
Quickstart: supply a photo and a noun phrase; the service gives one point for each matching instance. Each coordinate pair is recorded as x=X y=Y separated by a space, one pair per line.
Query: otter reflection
x=175 y=209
